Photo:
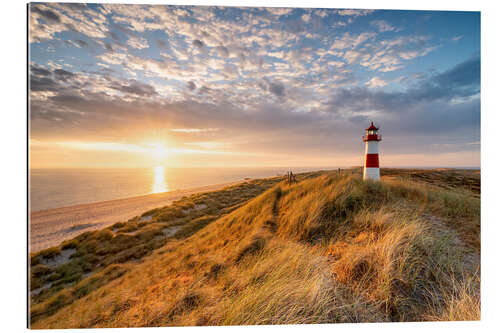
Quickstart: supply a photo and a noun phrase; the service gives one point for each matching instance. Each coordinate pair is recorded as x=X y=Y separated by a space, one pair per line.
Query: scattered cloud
x=46 y=14
x=222 y=51
x=279 y=11
x=460 y=81
x=138 y=43
x=191 y=85
x=355 y=12
x=198 y=43
x=247 y=76
x=81 y=43
x=348 y=41
x=376 y=82
x=383 y=26
x=47 y=20
x=137 y=88
x=306 y=17
x=193 y=130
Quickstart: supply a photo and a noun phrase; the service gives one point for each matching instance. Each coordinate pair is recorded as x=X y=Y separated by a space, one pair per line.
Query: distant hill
x=328 y=248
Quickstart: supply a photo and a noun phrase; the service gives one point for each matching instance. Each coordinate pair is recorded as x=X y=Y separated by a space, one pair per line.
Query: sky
x=182 y=86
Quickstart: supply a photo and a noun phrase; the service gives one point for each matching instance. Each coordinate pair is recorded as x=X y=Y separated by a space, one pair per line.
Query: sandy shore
x=52 y=226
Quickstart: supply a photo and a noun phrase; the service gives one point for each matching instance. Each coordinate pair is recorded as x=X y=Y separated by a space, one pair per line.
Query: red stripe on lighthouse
x=371 y=161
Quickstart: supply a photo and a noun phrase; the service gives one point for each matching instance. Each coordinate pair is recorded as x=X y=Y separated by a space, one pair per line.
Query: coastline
x=50 y=227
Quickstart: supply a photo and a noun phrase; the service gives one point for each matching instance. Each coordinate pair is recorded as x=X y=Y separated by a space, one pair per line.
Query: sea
x=54 y=188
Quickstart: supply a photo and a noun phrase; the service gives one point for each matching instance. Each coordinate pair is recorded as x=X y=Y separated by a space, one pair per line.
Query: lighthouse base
x=371 y=173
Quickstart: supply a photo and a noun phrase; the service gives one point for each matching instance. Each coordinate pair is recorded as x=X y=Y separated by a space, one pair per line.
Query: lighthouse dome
x=372 y=127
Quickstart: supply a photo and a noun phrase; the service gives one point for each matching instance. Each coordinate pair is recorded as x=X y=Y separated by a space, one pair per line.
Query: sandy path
x=52 y=226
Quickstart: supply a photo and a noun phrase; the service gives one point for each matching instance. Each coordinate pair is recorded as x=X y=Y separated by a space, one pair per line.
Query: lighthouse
x=372 y=170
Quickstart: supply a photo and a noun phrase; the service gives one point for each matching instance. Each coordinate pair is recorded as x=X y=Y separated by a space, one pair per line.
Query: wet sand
x=52 y=226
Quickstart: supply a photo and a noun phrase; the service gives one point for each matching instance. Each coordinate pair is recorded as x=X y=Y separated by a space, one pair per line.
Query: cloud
x=461 y=81
x=276 y=87
x=198 y=43
x=222 y=51
x=81 y=43
x=383 y=26
x=42 y=84
x=162 y=43
x=191 y=85
x=48 y=15
x=465 y=75
x=348 y=41
x=355 y=12
x=376 y=82
x=48 y=19
x=106 y=118
x=63 y=75
x=114 y=35
x=390 y=55
x=336 y=63
x=39 y=71
x=138 y=43
x=256 y=74
x=408 y=55
x=279 y=11
x=193 y=130
x=137 y=88
x=45 y=80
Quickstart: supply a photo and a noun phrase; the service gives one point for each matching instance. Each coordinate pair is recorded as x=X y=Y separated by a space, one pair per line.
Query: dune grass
x=132 y=240
x=330 y=248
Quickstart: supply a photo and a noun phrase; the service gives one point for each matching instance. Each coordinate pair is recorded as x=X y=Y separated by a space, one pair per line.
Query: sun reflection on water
x=159 y=183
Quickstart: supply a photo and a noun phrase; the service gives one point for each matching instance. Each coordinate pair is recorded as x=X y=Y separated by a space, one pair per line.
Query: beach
x=52 y=226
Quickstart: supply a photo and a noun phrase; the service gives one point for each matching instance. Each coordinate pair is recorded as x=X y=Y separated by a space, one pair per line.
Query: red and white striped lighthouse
x=372 y=170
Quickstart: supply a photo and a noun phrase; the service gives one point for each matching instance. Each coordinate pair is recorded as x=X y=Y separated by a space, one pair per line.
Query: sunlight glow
x=159 y=183
x=159 y=151
x=142 y=154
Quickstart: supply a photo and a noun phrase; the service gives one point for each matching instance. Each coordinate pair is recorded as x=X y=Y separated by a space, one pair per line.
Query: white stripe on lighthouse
x=371 y=147
x=371 y=173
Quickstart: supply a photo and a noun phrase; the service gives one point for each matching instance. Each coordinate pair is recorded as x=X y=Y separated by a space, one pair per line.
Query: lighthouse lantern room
x=372 y=137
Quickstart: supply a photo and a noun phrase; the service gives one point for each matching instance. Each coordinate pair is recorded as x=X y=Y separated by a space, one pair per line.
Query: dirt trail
x=472 y=259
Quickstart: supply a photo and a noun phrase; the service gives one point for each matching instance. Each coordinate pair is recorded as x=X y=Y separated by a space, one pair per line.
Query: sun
x=159 y=151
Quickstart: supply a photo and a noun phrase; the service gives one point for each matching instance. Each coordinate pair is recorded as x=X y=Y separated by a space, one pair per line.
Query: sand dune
x=52 y=226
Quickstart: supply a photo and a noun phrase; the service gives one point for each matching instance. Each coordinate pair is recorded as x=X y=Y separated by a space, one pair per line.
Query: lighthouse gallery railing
x=374 y=137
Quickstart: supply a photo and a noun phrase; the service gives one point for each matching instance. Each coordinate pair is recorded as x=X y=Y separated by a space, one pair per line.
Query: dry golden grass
x=330 y=248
